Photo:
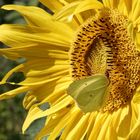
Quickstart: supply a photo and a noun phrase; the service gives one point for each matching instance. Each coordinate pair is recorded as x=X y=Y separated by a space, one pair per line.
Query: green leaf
x=89 y=93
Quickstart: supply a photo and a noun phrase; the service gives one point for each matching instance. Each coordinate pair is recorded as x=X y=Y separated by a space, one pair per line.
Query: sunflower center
x=104 y=46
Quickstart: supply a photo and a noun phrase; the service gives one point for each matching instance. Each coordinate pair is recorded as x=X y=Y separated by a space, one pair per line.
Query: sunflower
x=80 y=39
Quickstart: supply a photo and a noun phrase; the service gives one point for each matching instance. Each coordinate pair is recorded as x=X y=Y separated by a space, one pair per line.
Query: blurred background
x=12 y=113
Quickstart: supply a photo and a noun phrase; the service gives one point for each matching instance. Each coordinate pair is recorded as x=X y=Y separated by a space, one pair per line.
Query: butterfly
x=89 y=93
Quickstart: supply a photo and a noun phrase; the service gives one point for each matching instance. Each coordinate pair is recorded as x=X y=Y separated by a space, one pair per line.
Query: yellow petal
x=113 y=3
x=128 y=5
x=124 y=122
x=137 y=22
x=53 y=96
x=134 y=133
x=119 y=4
x=135 y=115
x=36 y=113
x=55 y=5
x=50 y=124
x=38 y=64
x=48 y=92
x=136 y=98
x=39 y=52
x=87 y=5
x=10 y=73
x=137 y=40
x=111 y=133
x=48 y=71
x=75 y=117
x=39 y=80
x=62 y=123
x=133 y=10
x=13 y=93
x=37 y=17
x=84 y=10
x=91 y=124
x=77 y=132
x=100 y=119
x=116 y=116
x=33 y=15
x=136 y=10
x=107 y=3
x=29 y=100
x=66 y=11
x=104 y=129
x=62 y=104
x=12 y=35
x=122 y=7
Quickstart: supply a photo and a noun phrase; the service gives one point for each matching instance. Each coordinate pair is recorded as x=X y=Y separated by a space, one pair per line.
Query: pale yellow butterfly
x=89 y=93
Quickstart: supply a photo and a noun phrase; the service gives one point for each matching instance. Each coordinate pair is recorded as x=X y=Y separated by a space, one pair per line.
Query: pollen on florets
x=104 y=46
